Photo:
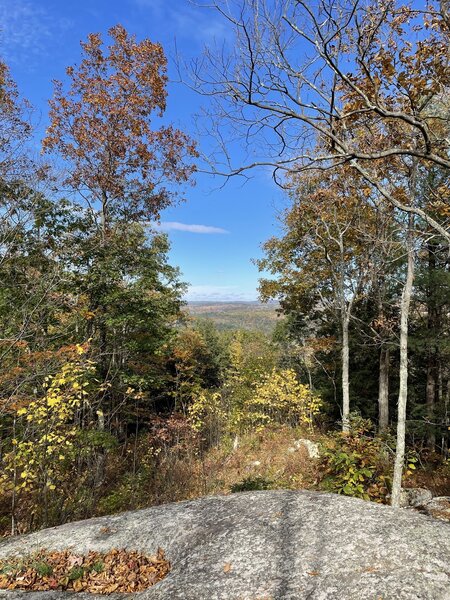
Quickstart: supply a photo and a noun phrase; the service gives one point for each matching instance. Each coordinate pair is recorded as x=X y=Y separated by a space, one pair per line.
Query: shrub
x=280 y=398
x=356 y=464
x=46 y=439
x=207 y=416
x=252 y=483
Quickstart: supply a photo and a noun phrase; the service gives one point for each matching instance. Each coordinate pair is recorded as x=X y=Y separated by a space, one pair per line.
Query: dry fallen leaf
x=77 y=585
x=101 y=573
x=227 y=567
x=371 y=570
x=73 y=560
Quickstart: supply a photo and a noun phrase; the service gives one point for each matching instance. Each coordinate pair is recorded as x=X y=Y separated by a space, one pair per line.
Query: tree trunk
x=104 y=216
x=432 y=358
x=431 y=394
x=383 y=391
x=403 y=390
x=445 y=445
x=440 y=402
x=345 y=374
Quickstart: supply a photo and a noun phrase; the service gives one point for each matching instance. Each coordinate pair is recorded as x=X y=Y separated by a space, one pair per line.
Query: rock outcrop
x=415 y=497
x=311 y=447
x=278 y=545
x=438 y=507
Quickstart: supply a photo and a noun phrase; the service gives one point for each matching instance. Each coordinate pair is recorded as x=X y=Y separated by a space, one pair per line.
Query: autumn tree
x=333 y=85
x=122 y=167
x=102 y=127
x=324 y=261
x=19 y=174
x=27 y=267
x=87 y=264
x=353 y=75
x=15 y=127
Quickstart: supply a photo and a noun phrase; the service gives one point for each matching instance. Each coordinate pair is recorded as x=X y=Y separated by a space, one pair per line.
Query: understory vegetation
x=232 y=410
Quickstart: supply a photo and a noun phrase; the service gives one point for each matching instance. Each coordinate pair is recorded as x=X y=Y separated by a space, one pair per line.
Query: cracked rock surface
x=267 y=545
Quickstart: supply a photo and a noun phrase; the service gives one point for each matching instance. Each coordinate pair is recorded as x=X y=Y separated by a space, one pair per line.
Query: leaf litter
x=97 y=573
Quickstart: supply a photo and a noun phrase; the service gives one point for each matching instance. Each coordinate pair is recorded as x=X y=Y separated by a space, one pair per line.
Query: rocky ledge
x=268 y=545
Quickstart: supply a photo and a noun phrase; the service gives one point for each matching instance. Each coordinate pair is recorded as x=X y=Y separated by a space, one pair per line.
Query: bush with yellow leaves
x=277 y=398
x=45 y=431
x=280 y=398
x=208 y=416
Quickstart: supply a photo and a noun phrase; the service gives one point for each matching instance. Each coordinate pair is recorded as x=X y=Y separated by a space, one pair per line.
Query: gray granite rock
x=438 y=507
x=415 y=497
x=268 y=545
x=311 y=447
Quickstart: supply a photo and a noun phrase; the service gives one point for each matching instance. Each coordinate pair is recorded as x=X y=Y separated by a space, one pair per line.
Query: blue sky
x=39 y=38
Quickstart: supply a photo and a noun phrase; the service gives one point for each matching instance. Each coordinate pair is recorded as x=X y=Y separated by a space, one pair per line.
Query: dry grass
x=261 y=460
x=263 y=455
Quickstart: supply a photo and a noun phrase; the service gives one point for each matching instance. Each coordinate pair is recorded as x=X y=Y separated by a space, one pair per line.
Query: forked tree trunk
x=383 y=391
x=403 y=389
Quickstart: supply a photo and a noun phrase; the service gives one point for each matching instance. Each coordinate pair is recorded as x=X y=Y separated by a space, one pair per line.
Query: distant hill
x=237 y=315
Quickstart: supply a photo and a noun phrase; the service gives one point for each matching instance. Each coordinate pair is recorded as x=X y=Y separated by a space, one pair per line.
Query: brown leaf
x=78 y=585
x=227 y=567
x=74 y=560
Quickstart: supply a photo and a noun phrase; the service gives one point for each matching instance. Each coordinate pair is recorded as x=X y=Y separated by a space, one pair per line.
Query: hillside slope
x=237 y=315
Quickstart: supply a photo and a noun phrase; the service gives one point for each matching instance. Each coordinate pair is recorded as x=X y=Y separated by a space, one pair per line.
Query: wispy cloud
x=219 y=293
x=188 y=19
x=175 y=226
x=27 y=30
x=156 y=7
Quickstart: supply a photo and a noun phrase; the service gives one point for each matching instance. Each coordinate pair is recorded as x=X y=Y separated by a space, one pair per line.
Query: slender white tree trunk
x=430 y=401
x=345 y=374
x=403 y=390
x=446 y=418
x=383 y=391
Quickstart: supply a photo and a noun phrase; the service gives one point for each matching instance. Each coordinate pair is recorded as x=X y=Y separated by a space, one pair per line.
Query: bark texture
x=383 y=391
x=403 y=388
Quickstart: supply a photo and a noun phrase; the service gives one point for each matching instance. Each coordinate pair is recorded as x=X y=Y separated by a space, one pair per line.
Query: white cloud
x=27 y=30
x=219 y=293
x=175 y=226
x=189 y=20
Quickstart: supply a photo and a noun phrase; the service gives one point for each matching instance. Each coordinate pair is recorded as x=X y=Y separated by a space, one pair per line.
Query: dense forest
x=112 y=395
x=238 y=315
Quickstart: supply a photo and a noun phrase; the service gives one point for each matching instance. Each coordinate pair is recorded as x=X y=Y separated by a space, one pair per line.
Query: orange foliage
x=102 y=125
